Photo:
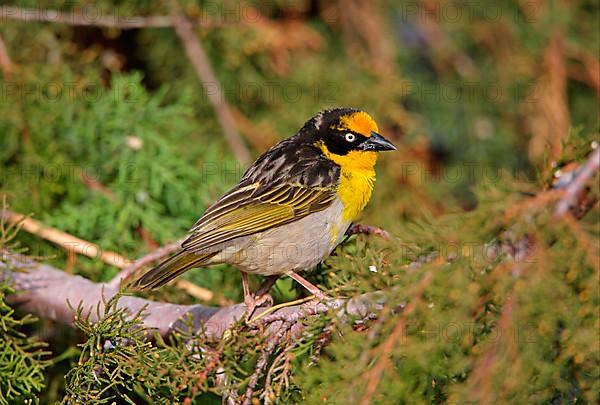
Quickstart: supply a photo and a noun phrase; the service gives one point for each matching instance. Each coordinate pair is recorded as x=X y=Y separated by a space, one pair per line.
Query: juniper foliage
x=108 y=135
x=24 y=358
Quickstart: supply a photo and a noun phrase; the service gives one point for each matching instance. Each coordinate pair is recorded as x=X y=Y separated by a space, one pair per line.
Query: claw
x=252 y=302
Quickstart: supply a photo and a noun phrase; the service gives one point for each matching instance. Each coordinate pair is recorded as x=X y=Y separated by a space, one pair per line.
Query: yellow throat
x=356 y=180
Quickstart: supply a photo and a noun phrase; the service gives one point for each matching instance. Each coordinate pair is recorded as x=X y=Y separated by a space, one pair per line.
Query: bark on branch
x=47 y=292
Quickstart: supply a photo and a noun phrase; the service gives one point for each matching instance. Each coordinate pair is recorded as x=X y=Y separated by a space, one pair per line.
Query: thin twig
x=68 y=242
x=282 y=305
x=276 y=366
x=195 y=290
x=587 y=172
x=482 y=374
x=46 y=14
x=197 y=56
x=590 y=70
x=260 y=366
x=373 y=376
x=45 y=291
x=367 y=230
x=95 y=185
x=73 y=244
x=144 y=260
x=5 y=62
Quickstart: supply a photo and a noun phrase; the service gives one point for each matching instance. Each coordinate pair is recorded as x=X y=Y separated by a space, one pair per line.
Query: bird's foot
x=252 y=302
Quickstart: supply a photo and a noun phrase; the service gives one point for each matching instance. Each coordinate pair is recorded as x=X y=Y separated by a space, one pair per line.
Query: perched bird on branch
x=291 y=208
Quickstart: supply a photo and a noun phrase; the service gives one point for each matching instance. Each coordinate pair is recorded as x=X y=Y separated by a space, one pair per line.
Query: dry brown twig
x=69 y=242
x=45 y=291
x=73 y=244
x=5 y=62
x=445 y=52
x=260 y=366
x=46 y=14
x=541 y=199
x=549 y=118
x=589 y=169
x=145 y=260
x=197 y=56
x=373 y=376
x=183 y=26
x=589 y=72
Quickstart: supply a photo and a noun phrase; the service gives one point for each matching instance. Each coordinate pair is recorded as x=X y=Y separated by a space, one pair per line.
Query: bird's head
x=347 y=136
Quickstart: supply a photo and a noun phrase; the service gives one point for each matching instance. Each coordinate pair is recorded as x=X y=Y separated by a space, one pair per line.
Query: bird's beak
x=377 y=143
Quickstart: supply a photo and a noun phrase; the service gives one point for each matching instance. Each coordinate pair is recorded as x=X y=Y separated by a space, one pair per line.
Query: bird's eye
x=350 y=137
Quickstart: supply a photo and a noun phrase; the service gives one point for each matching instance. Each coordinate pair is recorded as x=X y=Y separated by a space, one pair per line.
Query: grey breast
x=296 y=246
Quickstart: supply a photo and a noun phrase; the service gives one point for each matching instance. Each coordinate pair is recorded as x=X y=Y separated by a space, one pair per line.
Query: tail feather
x=169 y=269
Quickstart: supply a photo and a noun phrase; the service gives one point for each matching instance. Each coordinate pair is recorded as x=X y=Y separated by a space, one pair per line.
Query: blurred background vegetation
x=108 y=134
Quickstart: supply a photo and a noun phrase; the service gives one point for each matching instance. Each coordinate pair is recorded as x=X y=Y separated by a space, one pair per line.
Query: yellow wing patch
x=244 y=214
x=359 y=122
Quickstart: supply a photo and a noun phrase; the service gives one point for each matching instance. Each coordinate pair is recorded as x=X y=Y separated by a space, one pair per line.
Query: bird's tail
x=169 y=269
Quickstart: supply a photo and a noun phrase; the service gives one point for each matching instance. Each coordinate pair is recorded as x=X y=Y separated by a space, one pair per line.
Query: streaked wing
x=254 y=208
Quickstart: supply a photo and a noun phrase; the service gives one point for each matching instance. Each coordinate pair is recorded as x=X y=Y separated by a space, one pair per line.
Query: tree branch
x=46 y=14
x=182 y=25
x=574 y=188
x=197 y=56
x=373 y=376
x=143 y=261
x=356 y=229
x=69 y=242
x=5 y=63
x=46 y=292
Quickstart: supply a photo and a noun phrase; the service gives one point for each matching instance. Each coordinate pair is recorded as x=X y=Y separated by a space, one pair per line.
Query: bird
x=291 y=208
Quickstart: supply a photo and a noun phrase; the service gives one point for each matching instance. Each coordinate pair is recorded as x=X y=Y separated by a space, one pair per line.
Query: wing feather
x=289 y=182
x=244 y=214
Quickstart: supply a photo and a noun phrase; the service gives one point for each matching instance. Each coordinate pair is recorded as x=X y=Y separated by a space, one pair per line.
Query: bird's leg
x=262 y=294
x=248 y=298
x=253 y=301
x=313 y=289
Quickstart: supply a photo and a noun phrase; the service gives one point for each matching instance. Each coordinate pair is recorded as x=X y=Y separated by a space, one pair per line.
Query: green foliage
x=116 y=141
x=488 y=327
x=118 y=362
x=23 y=357
x=108 y=135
